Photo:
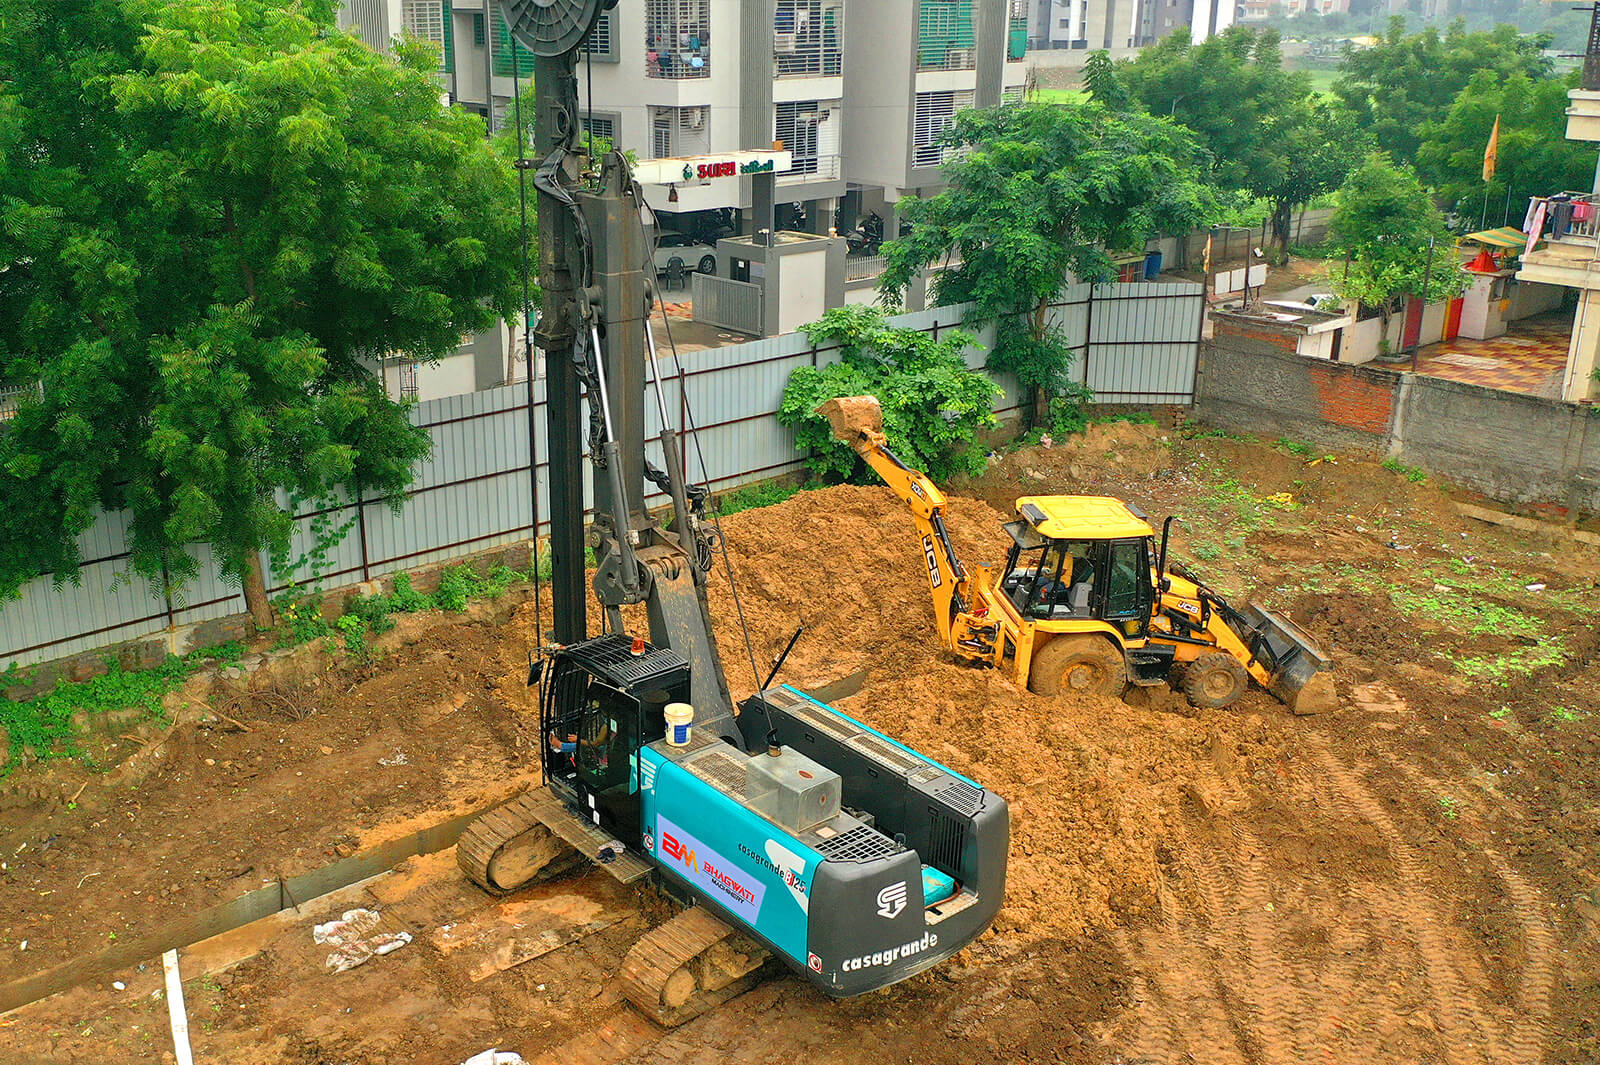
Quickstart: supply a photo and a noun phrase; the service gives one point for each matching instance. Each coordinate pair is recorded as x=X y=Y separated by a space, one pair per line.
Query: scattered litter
x=325 y=749
x=397 y=758
x=118 y=985
x=24 y=945
x=496 y=1057
x=353 y=945
x=1046 y=441
x=1535 y=587
x=611 y=850
x=349 y=928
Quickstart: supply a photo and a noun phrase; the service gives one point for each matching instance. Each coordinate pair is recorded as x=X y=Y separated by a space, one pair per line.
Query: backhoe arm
x=858 y=421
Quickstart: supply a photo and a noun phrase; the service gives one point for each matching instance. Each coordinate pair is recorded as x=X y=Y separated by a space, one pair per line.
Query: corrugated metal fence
x=1136 y=344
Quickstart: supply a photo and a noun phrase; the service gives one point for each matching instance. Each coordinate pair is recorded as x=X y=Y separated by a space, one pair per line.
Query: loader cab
x=603 y=700
x=1081 y=558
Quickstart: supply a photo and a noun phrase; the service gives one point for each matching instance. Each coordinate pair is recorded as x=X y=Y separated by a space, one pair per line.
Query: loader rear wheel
x=1081 y=665
x=1215 y=680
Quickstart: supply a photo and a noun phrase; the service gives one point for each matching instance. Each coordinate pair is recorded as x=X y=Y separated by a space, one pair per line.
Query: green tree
x=1405 y=82
x=1105 y=87
x=1385 y=220
x=1037 y=194
x=1534 y=156
x=1267 y=134
x=214 y=216
x=1226 y=89
x=933 y=405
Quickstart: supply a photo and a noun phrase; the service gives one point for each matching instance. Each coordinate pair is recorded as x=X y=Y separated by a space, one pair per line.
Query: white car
x=688 y=253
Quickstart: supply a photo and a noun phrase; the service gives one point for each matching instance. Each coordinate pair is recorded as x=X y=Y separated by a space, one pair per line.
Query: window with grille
x=1017 y=33
x=429 y=21
x=509 y=59
x=678 y=131
x=602 y=43
x=946 y=39
x=797 y=129
x=808 y=39
x=600 y=128
x=1013 y=95
x=677 y=38
x=935 y=112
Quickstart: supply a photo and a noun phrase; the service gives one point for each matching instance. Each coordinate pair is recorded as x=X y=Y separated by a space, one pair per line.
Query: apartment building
x=857 y=90
x=1120 y=25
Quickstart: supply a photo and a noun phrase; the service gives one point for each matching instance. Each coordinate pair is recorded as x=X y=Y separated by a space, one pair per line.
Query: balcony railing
x=808 y=40
x=861 y=267
x=1568 y=215
x=677 y=39
x=812 y=168
x=945 y=36
x=11 y=397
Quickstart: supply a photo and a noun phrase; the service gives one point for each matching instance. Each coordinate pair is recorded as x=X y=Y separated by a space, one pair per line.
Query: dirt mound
x=1092 y=784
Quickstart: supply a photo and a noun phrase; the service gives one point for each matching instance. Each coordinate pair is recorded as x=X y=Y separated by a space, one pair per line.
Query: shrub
x=933 y=404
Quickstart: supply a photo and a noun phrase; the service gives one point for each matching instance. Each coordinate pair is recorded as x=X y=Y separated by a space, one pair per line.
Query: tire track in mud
x=1528 y=1030
x=1463 y=1024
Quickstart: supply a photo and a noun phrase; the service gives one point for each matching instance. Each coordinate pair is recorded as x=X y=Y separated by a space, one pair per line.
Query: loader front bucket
x=1300 y=671
x=852 y=418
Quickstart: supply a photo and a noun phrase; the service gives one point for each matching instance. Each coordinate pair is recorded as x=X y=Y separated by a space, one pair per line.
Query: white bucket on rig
x=679 y=717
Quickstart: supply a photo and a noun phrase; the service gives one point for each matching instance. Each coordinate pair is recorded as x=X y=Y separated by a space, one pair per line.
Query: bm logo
x=678 y=852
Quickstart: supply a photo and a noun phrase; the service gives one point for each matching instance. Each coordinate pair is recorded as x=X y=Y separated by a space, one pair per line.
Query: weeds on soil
x=44 y=724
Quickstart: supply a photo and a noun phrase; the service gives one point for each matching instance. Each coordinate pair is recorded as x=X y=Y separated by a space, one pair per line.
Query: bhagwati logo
x=703 y=866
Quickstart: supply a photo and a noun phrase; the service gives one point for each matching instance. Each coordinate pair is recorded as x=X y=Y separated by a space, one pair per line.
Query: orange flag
x=1491 y=154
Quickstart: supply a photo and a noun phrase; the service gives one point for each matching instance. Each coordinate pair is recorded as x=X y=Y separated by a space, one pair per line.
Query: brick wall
x=1540 y=453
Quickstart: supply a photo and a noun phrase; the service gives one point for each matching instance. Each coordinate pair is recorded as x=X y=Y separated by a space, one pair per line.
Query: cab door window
x=1128 y=583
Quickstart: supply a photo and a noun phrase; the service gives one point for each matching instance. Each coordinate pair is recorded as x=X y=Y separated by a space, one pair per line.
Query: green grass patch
x=1411 y=473
x=1522 y=662
x=1061 y=96
x=43 y=724
x=458 y=586
x=1467 y=613
x=1294 y=447
x=753 y=496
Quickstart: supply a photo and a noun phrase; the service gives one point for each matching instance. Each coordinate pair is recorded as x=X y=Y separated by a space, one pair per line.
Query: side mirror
x=535 y=669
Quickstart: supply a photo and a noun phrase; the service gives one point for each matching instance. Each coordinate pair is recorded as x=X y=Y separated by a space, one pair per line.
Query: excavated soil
x=1411 y=878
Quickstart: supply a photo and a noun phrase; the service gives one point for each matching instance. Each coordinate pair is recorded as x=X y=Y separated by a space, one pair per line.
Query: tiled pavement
x=1531 y=358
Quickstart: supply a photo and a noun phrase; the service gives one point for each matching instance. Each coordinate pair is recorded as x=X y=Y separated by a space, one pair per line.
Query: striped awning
x=1504 y=237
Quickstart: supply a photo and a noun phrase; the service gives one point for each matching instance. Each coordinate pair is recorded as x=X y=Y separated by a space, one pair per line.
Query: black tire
x=708 y=264
x=1078 y=664
x=1215 y=680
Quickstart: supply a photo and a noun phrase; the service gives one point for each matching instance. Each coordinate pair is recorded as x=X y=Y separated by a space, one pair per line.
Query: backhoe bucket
x=1300 y=679
x=853 y=417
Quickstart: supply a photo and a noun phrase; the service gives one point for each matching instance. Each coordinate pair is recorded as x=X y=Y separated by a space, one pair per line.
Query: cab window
x=1128 y=584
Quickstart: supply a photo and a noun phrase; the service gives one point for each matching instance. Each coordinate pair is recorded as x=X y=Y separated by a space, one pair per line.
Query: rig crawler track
x=688 y=965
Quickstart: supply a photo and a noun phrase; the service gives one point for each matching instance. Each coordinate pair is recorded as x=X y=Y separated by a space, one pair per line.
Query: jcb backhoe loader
x=1087 y=602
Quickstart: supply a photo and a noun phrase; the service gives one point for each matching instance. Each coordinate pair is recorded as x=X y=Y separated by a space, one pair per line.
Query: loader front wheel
x=1078 y=665
x=1215 y=680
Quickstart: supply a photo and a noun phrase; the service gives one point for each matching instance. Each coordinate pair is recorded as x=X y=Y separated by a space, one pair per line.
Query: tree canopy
x=1533 y=158
x=1266 y=133
x=1037 y=193
x=1385 y=220
x=1404 y=82
x=213 y=215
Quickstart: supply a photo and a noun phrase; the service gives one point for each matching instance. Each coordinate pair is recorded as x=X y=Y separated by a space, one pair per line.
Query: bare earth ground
x=1411 y=879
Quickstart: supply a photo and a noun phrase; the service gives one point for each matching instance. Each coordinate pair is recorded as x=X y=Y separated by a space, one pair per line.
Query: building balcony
x=677 y=41
x=808 y=39
x=807 y=169
x=946 y=38
x=1569 y=227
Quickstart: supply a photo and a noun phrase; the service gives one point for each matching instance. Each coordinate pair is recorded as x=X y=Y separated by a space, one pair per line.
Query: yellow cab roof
x=1082 y=517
